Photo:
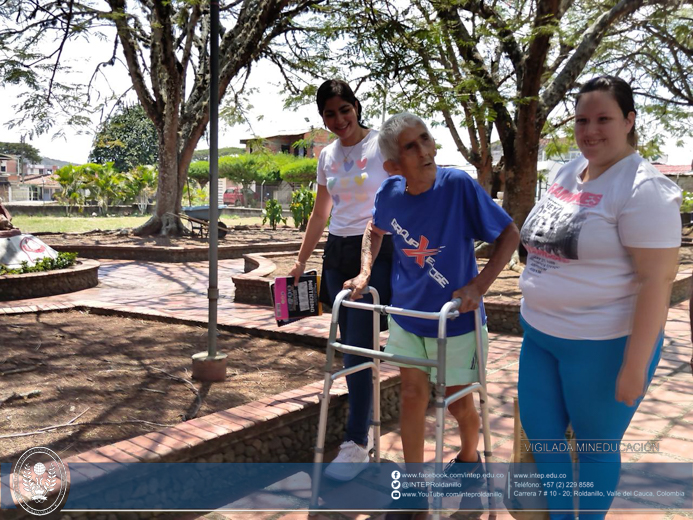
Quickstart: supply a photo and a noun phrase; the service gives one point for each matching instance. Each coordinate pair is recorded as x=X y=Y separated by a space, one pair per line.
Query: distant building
x=680 y=174
x=36 y=182
x=40 y=169
x=317 y=139
x=8 y=164
x=42 y=187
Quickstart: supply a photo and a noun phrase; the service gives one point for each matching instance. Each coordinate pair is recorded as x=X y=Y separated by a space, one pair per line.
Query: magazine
x=294 y=302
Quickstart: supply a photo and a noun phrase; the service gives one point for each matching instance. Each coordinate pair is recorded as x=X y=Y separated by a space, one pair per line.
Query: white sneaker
x=350 y=461
x=370 y=445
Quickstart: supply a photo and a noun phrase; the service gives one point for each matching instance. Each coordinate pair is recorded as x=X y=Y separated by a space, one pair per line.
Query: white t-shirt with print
x=579 y=281
x=352 y=175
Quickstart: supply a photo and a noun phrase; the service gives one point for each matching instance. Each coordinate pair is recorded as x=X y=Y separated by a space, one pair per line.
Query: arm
x=655 y=270
x=314 y=230
x=505 y=246
x=370 y=247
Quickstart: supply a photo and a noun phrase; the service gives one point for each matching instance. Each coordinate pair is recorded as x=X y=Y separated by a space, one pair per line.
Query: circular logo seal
x=39 y=481
x=31 y=245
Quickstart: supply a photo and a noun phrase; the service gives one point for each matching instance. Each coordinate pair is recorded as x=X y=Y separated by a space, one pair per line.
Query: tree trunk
x=521 y=180
x=170 y=188
x=484 y=173
x=497 y=179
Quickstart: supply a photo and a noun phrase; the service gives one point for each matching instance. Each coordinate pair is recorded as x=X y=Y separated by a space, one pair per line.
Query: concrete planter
x=78 y=277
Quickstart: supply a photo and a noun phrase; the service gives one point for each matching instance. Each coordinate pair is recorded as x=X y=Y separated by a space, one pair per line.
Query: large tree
x=127 y=139
x=26 y=152
x=474 y=66
x=164 y=45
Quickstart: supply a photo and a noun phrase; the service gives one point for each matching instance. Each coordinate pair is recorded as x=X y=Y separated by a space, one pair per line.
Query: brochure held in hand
x=294 y=302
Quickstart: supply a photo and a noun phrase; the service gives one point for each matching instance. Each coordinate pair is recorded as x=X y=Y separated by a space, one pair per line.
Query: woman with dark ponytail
x=603 y=253
x=350 y=171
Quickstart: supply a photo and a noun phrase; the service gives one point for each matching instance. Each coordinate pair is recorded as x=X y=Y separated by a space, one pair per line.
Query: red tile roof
x=674 y=169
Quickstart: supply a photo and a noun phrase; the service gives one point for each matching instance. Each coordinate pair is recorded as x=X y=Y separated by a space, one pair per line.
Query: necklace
x=347 y=156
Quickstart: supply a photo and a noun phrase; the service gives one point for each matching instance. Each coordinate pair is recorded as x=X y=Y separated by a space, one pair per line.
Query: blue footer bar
x=384 y=486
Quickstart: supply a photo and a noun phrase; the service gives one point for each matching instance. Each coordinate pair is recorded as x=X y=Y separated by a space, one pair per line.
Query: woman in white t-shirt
x=603 y=252
x=350 y=171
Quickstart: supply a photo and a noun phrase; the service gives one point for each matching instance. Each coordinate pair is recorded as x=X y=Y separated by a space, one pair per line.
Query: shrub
x=299 y=171
x=45 y=264
x=272 y=213
x=302 y=202
x=199 y=172
x=687 y=202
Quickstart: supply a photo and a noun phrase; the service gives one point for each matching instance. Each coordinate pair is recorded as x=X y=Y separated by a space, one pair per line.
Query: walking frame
x=448 y=311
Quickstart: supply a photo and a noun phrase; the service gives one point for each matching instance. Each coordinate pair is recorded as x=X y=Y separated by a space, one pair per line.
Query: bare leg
x=468 y=422
x=414 y=401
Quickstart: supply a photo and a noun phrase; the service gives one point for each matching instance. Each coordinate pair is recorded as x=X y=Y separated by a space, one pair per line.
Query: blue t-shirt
x=433 y=236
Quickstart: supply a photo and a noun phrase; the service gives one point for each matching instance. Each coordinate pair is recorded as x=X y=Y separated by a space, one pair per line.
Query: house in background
x=316 y=138
x=41 y=187
x=40 y=169
x=34 y=183
x=8 y=164
x=680 y=174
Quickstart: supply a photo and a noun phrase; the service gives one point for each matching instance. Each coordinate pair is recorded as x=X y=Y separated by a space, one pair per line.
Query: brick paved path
x=179 y=291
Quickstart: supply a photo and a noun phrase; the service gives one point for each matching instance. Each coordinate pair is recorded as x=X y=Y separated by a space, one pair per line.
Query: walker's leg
x=440 y=417
x=322 y=422
x=376 y=376
x=483 y=404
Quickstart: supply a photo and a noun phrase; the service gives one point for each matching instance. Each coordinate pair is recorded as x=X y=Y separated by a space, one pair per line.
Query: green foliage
x=63 y=261
x=27 y=153
x=687 y=203
x=139 y=185
x=652 y=147
x=242 y=169
x=72 y=182
x=195 y=195
x=166 y=44
x=272 y=213
x=300 y=171
x=493 y=68
x=264 y=166
x=203 y=155
x=104 y=183
x=199 y=172
x=128 y=139
x=271 y=164
x=302 y=202
x=559 y=147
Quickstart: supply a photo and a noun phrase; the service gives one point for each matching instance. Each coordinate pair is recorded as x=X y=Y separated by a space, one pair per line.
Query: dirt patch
x=286 y=263
x=237 y=235
x=134 y=375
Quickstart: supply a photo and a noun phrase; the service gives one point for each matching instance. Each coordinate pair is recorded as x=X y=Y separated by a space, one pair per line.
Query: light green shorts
x=460 y=368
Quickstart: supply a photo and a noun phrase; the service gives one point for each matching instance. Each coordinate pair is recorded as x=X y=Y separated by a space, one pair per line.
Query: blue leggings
x=573 y=382
x=356 y=329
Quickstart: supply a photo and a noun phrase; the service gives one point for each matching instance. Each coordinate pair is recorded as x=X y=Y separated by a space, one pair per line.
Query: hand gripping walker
x=448 y=311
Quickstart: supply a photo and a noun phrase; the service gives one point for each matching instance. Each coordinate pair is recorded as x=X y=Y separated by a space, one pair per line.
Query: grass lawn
x=82 y=224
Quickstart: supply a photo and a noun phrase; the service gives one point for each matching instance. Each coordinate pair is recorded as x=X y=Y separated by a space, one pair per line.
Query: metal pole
x=213 y=292
x=210 y=365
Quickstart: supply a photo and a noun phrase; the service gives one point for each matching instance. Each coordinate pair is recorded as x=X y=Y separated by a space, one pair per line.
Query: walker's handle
x=347 y=296
x=456 y=303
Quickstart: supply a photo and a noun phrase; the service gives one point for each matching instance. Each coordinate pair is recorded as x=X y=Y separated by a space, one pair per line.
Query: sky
x=267 y=118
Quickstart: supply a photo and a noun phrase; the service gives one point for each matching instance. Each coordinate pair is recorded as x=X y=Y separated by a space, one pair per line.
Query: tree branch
x=565 y=80
x=130 y=50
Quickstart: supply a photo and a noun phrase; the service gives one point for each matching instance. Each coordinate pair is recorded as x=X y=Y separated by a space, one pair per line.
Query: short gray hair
x=388 y=137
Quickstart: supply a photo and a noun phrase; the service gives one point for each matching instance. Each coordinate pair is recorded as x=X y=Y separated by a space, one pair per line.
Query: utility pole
x=20 y=160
